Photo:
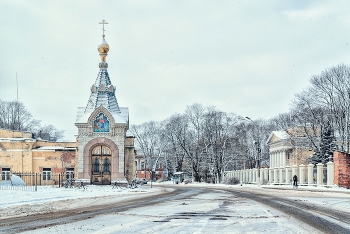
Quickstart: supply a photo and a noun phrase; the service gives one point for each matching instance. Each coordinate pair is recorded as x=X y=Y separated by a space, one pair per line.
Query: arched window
x=101 y=150
x=96 y=166
x=106 y=150
x=106 y=165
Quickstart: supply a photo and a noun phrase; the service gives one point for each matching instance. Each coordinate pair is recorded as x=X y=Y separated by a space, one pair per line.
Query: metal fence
x=29 y=181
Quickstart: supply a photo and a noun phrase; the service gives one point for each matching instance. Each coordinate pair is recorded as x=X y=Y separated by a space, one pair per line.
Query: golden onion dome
x=103 y=47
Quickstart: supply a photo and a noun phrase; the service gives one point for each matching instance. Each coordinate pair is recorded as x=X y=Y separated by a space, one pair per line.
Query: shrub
x=231 y=180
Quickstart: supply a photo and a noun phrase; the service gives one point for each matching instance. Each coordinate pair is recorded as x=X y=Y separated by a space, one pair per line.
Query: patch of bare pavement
x=189 y=208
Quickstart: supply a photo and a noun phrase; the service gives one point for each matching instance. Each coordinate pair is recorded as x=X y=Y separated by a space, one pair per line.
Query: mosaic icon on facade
x=101 y=123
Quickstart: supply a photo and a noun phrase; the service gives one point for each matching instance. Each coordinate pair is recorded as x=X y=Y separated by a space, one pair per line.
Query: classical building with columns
x=105 y=149
x=283 y=153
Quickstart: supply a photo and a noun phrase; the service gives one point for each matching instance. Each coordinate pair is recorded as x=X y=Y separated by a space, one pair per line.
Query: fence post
x=319 y=177
x=255 y=173
x=36 y=181
x=281 y=175
x=270 y=175
x=330 y=173
x=275 y=174
x=310 y=176
x=288 y=176
x=302 y=174
x=59 y=180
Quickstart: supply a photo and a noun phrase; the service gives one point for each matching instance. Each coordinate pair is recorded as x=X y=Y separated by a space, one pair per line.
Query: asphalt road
x=190 y=210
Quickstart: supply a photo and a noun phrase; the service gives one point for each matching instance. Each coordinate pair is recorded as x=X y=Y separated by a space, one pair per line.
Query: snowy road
x=188 y=209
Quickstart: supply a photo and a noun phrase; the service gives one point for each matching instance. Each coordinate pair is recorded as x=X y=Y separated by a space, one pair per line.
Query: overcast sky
x=246 y=57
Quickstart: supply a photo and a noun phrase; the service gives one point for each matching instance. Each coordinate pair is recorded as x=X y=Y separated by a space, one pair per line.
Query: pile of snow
x=17 y=181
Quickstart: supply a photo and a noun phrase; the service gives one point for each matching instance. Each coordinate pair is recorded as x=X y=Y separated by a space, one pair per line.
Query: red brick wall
x=341 y=169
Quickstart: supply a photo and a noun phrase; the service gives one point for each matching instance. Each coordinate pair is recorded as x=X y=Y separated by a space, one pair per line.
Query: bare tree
x=15 y=116
x=49 y=133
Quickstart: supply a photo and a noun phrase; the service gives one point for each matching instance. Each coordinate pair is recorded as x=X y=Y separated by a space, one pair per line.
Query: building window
x=101 y=150
x=46 y=173
x=5 y=174
x=96 y=166
x=106 y=165
x=69 y=173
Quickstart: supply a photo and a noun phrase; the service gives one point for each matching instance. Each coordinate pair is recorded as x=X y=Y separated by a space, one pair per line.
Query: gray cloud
x=247 y=57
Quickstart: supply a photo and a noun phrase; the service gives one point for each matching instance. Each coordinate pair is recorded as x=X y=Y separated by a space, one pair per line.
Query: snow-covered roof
x=121 y=117
x=47 y=148
x=16 y=139
x=282 y=135
x=103 y=93
x=129 y=134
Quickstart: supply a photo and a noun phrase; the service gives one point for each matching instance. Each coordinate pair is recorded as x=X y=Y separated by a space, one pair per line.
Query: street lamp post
x=258 y=150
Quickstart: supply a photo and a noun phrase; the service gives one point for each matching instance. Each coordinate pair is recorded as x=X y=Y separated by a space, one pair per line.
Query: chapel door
x=101 y=165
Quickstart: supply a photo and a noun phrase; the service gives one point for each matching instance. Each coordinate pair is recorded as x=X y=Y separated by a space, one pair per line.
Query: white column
x=271 y=155
x=319 y=177
x=250 y=175
x=302 y=174
x=254 y=175
x=330 y=173
x=310 y=171
x=281 y=175
x=288 y=176
x=275 y=174
x=270 y=175
x=281 y=159
x=284 y=155
x=278 y=159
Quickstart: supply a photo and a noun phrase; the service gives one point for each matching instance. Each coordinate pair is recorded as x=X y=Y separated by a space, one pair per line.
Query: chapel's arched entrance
x=101 y=157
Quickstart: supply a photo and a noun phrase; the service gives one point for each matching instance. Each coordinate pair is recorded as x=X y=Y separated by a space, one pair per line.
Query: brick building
x=20 y=152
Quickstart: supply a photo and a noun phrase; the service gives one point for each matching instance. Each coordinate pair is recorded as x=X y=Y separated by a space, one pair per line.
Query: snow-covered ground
x=248 y=216
x=48 y=198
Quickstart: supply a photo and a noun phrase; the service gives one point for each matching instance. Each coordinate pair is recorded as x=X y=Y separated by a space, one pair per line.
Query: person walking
x=295 y=181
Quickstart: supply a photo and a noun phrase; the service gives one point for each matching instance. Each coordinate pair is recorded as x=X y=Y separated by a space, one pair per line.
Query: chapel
x=105 y=148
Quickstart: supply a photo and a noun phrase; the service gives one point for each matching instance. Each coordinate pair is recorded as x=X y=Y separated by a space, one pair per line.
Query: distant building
x=288 y=148
x=144 y=168
x=20 y=152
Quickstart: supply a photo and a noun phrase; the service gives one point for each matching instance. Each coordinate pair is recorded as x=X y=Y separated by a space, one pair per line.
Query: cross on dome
x=103 y=27
x=103 y=47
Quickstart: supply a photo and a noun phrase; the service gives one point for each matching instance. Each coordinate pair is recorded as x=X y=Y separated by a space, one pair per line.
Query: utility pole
x=258 y=150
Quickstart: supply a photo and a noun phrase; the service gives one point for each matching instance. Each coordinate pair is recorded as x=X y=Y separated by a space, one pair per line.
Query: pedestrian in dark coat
x=295 y=181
